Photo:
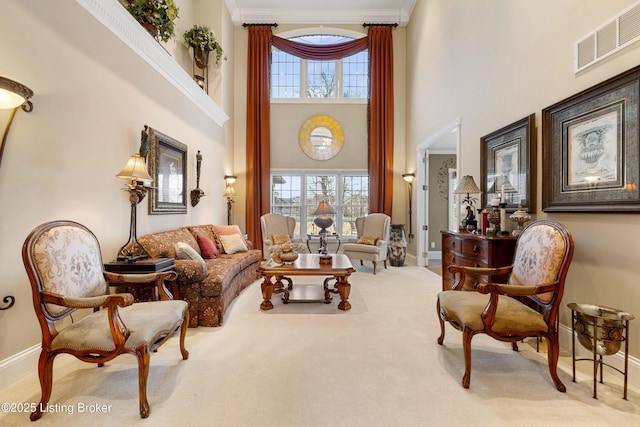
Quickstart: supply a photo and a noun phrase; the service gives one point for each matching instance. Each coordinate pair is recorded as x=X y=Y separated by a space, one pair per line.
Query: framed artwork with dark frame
x=508 y=165
x=590 y=148
x=167 y=164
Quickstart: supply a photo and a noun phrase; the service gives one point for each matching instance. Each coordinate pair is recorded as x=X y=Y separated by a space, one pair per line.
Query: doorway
x=445 y=141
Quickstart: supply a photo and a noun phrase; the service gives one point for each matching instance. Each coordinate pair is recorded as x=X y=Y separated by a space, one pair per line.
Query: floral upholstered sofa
x=208 y=284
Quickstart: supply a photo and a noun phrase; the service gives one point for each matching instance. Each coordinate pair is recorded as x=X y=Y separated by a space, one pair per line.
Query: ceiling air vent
x=612 y=36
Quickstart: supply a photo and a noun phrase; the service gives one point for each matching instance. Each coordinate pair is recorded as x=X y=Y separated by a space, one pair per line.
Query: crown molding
x=398 y=16
x=120 y=22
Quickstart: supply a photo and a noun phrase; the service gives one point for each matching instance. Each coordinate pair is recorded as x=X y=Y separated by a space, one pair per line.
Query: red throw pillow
x=207 y=248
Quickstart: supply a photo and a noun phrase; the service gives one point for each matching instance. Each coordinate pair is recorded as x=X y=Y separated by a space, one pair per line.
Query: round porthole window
x=321 y=137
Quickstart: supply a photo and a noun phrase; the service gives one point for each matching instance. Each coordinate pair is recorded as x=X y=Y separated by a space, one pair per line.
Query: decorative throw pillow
x=233 y=243
x=225 y=230
x=367 y=240
x=185 y=251
x=208 y=249
x=280 y=239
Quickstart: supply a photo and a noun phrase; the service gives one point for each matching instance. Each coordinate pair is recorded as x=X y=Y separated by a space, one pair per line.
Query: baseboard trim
x=617 y=360
x=18 y=366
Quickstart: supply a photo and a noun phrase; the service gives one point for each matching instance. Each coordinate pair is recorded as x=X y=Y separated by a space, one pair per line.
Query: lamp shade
x=135 y=170
x=324 y=209
x=229 y=192
x=230 y=179
x=409 y=177
x=13 y=94
x=467 y=186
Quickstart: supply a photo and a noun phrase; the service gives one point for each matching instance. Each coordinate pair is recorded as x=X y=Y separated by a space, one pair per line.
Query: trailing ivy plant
x=200 y=36
x=160 y=14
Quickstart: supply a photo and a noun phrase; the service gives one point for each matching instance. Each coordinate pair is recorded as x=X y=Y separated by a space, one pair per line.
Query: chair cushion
x=367 y=240
x=146 y=321
x=280 y=239
x=465 y=307
x=355 y=247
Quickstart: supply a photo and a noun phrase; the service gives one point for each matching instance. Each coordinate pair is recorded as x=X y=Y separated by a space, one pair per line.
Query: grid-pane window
x=355 y=201
x=286 y=200
x=285 y=75
x=321 y=79
x=355 y=75
x=298 y=195
x=295 y=78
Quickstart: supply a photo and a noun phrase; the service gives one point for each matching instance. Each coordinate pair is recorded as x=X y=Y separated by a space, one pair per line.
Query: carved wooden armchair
x=526 y=306
x=64 y=264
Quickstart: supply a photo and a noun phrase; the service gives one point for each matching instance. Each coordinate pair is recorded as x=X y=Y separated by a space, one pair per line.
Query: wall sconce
x=229 y=193
x=197 y=193
x=135 y=171
x=409 y=177
x=12 y=96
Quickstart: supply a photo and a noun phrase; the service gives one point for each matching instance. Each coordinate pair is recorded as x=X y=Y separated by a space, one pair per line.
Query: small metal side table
x=602 y=330
x=322 y=238
x=142 y=291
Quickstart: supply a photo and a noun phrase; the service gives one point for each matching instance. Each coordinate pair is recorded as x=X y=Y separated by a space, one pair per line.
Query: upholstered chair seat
x=526 y=306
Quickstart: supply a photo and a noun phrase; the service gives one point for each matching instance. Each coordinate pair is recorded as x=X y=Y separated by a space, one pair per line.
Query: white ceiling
x=320 y=11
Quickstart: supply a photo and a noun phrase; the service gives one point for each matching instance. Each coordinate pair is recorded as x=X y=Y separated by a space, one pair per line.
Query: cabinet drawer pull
x=477 y=265
x=476 y=249
x=453 y=259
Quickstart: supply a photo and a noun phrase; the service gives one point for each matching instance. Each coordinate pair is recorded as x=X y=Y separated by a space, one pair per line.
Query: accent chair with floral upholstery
x=64 y=265
x=526 y=306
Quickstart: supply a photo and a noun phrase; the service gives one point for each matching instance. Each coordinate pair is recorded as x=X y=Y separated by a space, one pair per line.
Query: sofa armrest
x=191 y=270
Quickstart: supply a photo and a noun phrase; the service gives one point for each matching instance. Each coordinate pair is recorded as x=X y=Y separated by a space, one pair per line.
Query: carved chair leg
x=375 y=264
x=514 y=345
x=45 y=372
x=183 y=334
x=361 y=262
x=553 y=352
x=467 y=334
x=385 y=264
x=143 y=372
x=441 y=337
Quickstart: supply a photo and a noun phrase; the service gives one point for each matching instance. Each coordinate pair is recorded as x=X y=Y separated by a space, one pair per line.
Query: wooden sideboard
x=472 y=250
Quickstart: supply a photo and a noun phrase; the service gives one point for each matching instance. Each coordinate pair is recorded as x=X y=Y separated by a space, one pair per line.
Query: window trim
x=303 y=173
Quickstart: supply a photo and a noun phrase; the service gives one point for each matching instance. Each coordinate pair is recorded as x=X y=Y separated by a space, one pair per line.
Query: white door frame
x=429 y=146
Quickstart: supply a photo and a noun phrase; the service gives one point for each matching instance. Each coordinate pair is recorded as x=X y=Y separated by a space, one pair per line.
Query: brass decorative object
x=135 y=171
x=601 y=330
x=197 y=193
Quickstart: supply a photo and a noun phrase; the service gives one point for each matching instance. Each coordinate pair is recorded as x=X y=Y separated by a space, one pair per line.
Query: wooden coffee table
x=277 y=280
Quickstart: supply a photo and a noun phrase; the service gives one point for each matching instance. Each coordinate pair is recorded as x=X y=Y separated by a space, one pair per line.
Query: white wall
x=493 y=62
x=93 y=96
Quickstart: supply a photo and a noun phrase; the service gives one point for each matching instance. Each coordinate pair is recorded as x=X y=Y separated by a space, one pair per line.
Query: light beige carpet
x=313 y=365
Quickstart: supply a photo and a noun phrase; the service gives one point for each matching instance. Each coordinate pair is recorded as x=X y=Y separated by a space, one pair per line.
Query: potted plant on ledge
x=203 y=41
x=156 y=16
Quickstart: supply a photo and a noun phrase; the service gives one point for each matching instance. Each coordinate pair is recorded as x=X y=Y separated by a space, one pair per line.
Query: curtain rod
x=253 y=25
x=379 y=25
